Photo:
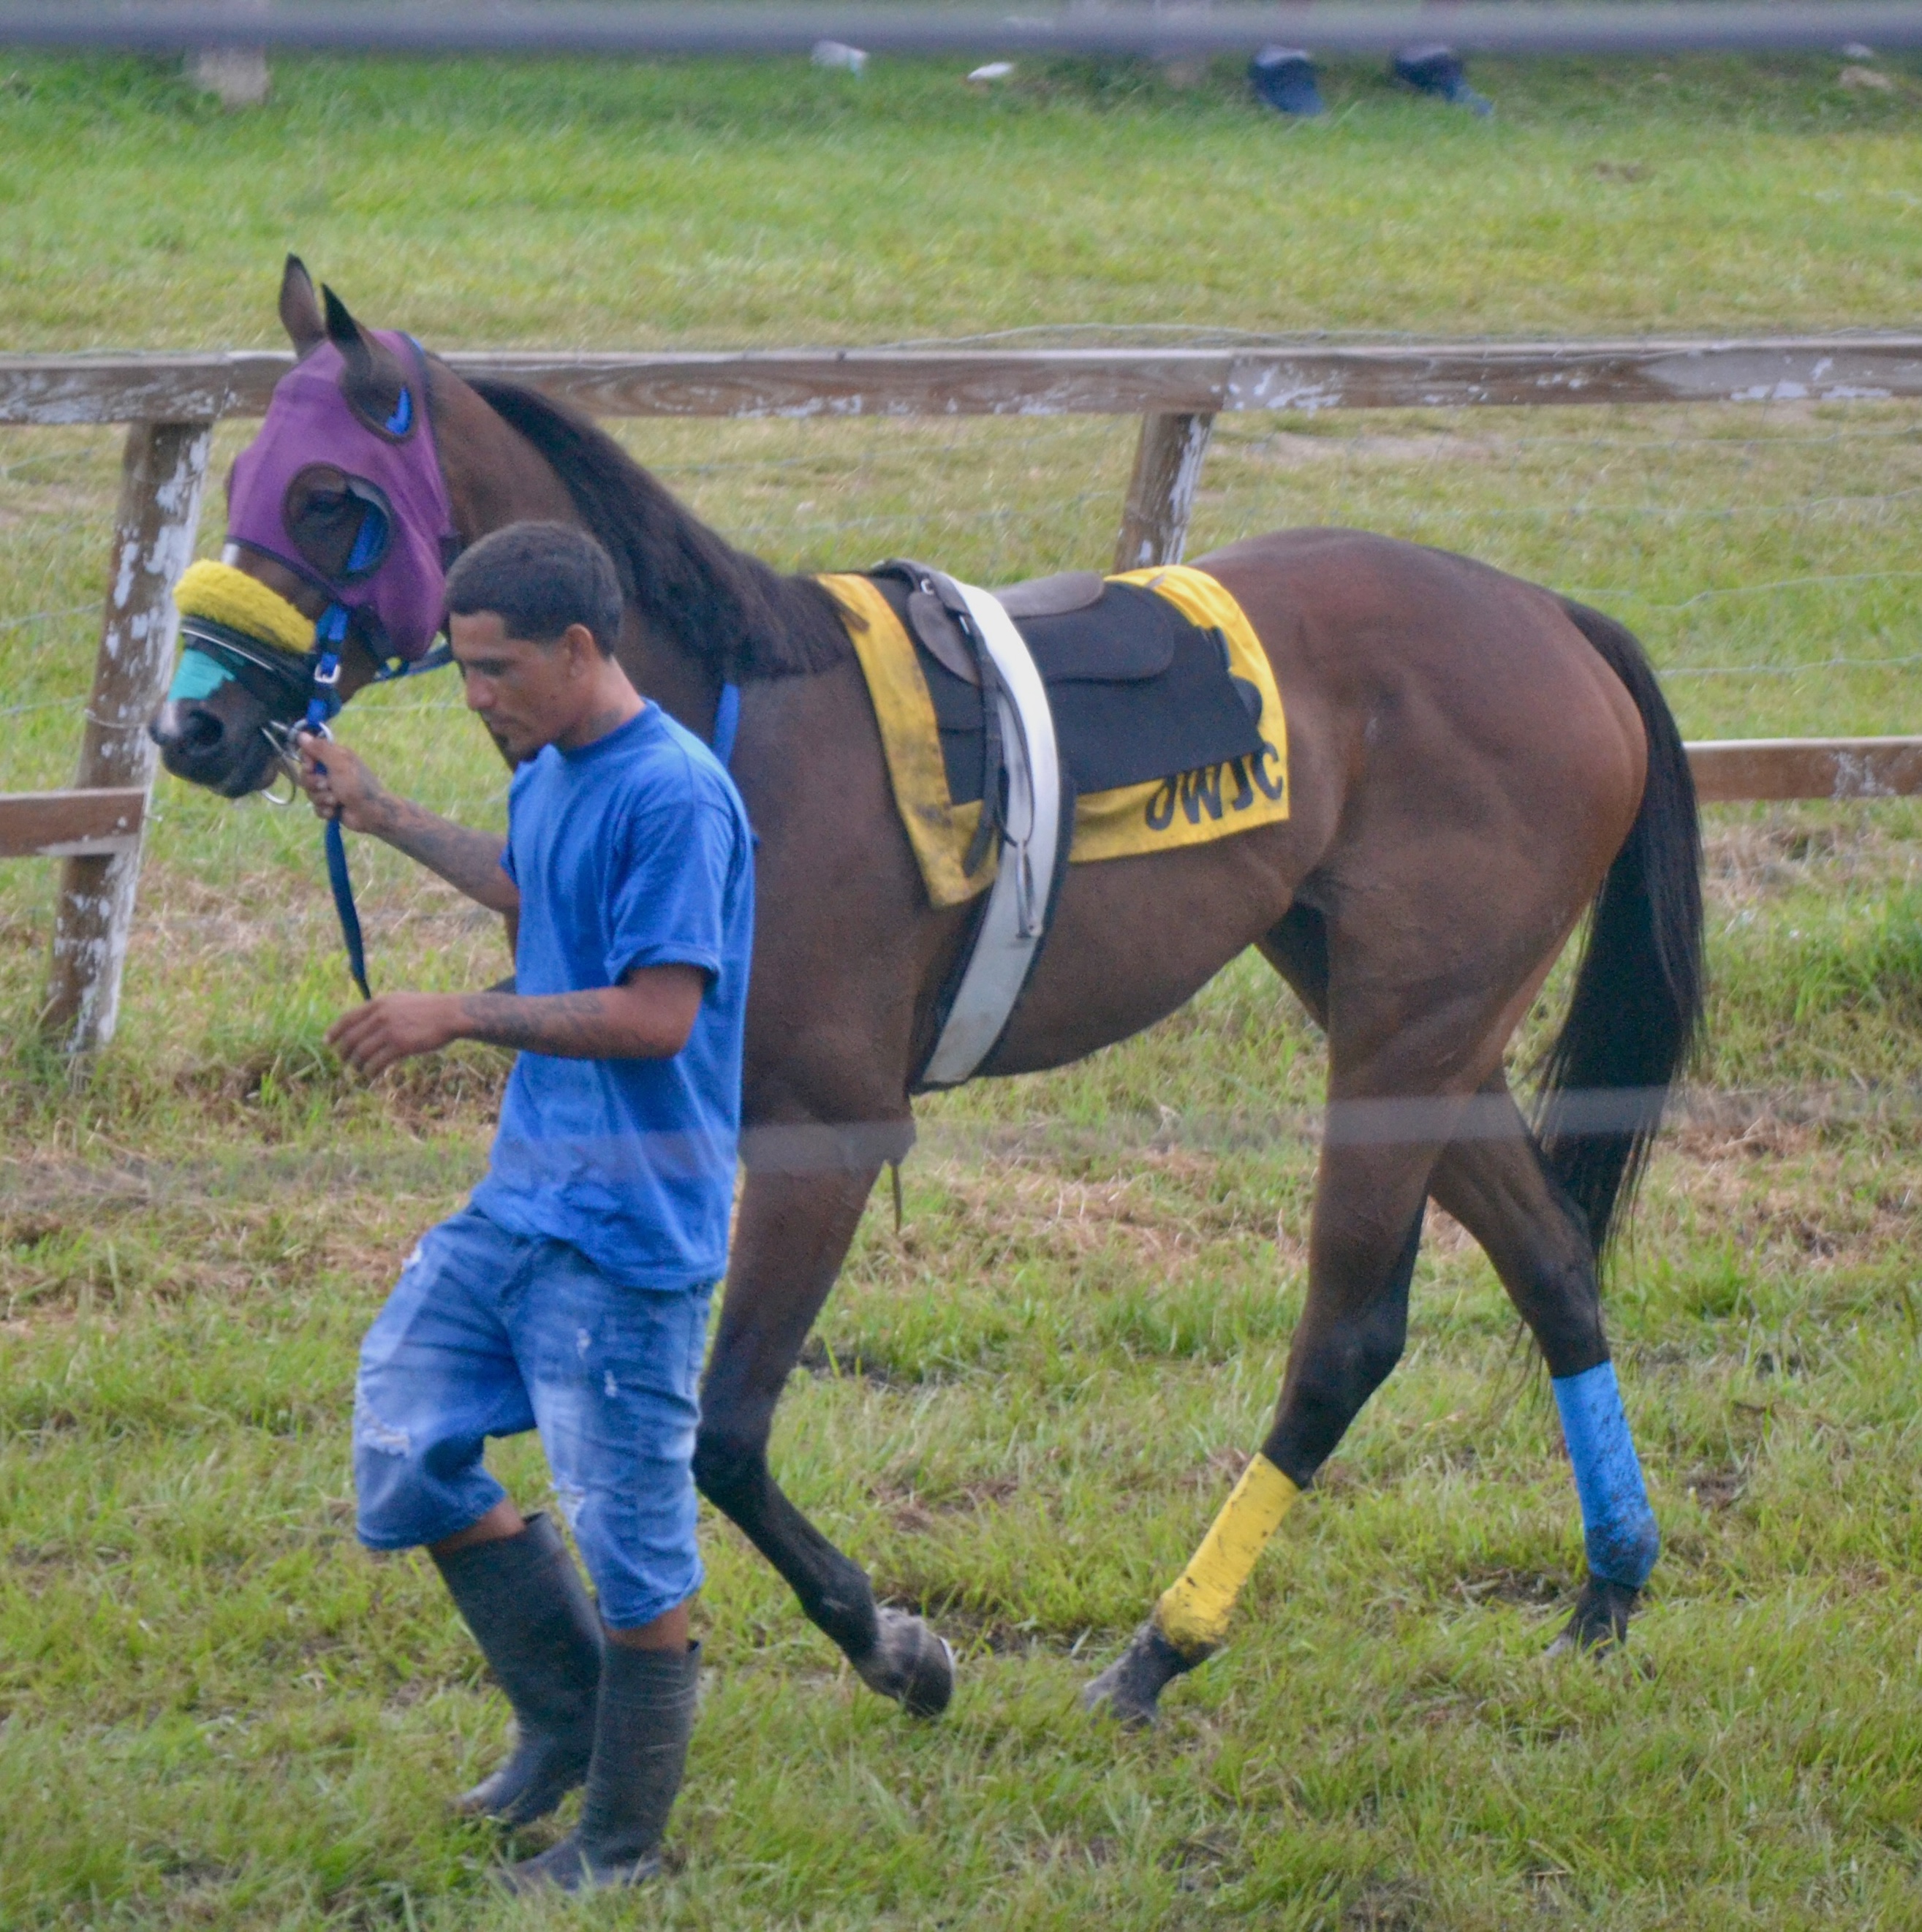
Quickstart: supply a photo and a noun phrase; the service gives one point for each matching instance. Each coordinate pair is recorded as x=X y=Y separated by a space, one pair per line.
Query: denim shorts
x=490 y=1334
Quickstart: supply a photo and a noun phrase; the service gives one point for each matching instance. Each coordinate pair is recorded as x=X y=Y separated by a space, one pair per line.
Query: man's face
x=526 y=693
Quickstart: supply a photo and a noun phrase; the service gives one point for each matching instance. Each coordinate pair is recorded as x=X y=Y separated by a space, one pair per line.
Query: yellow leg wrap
x=1194 y=1614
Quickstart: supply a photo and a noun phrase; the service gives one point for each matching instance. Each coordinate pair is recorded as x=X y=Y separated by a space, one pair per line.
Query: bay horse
x=1478 y=766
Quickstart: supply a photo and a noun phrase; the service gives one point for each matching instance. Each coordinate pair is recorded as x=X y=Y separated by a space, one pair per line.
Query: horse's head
x=339 y=533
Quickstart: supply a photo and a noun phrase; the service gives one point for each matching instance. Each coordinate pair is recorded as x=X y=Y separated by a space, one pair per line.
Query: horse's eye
x=341 y=524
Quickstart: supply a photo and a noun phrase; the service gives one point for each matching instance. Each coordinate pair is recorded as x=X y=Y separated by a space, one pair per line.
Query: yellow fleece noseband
x=225 y=595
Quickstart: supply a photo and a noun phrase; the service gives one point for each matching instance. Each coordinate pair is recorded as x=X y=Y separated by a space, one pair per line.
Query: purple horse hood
x=395 y=579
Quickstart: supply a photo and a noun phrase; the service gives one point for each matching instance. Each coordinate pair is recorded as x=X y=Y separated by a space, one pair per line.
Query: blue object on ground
x=1619 y=1526
x=1284 y=78
x=1436 y=69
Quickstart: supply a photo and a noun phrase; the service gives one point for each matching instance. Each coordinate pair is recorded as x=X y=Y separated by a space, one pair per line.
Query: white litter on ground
x=838 y=53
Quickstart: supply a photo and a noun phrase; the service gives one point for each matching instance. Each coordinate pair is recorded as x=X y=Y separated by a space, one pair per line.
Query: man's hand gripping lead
x=397 y=1026
x=339 y=784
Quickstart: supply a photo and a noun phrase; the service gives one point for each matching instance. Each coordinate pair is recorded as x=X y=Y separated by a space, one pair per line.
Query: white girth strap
x=1013 y=926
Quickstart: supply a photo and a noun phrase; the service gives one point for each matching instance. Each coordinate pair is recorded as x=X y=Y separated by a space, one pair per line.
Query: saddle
x=1137 y=691
x=1066 y=721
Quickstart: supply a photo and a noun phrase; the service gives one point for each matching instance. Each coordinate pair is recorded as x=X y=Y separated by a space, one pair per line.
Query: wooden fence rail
x=172 y=402
x=106 y=388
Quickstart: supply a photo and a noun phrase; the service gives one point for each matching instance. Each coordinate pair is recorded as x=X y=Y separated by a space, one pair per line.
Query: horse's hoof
x=910 y=1664
x=1129 y=1689
x=1601 y=1618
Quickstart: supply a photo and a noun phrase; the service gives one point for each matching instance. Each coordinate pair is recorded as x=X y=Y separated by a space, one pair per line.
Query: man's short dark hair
x=537 y=579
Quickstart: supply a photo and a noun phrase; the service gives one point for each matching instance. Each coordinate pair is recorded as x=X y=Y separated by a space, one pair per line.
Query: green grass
x=614 y=203
x=213 y=1710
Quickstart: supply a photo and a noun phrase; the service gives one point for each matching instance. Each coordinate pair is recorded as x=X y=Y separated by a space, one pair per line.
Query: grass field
x=214 y=1711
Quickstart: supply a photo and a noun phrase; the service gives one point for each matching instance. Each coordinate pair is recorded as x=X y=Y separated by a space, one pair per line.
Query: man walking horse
x=1459 y=768
x=571 y=1294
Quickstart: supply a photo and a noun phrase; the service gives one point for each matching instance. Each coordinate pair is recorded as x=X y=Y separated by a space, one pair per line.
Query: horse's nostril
x=179 y=728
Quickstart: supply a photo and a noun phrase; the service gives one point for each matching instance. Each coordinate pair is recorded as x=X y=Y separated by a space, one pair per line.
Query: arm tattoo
x=570 y=1026
x=468 y=859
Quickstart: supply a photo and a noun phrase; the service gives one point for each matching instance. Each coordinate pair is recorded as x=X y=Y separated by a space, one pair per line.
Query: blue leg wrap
x=1618 y=1525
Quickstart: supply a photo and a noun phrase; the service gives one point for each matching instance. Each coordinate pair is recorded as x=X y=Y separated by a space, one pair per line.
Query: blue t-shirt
x=633 y=851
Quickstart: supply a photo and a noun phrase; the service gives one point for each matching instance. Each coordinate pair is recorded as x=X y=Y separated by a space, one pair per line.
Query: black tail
x=1638 y=1001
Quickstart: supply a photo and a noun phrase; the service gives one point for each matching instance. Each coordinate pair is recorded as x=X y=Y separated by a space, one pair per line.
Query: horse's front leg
x=791 y=1236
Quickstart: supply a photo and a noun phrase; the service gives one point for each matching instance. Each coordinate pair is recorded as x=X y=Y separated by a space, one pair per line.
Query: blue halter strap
x=727 y=724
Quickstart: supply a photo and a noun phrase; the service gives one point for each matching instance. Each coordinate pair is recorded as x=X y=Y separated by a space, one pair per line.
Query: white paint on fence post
x=1161 y=494
x=162 y=474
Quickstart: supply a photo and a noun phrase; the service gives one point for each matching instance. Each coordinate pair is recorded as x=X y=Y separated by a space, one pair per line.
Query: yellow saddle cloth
x=1185 y=808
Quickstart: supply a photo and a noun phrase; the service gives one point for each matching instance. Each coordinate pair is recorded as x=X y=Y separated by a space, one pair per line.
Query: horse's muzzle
x=197 y=744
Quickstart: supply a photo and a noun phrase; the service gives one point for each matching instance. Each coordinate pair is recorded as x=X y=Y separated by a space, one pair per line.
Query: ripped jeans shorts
x=491 y=1334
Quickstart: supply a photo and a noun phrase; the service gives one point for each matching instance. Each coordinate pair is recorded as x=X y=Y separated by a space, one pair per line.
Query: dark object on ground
x=524 y=1601
x=1437 y=70
x=641 y=1734
x=1284 y=78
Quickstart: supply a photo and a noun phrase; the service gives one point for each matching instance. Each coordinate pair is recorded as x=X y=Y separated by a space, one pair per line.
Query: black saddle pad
x=1138 y=693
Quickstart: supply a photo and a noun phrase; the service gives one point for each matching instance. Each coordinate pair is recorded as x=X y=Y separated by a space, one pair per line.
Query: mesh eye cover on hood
x=310 y=422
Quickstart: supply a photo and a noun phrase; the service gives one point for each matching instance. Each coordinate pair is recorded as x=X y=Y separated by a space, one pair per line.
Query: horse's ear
x=300 y=310
x=342 y=331
x=373 y=380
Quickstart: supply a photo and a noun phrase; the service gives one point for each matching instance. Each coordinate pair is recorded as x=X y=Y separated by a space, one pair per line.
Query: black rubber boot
x=641 y=1733
x=527 y=1607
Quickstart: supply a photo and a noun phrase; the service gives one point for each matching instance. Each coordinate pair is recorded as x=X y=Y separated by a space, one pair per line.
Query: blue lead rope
x=342 y=882
x=329 y=634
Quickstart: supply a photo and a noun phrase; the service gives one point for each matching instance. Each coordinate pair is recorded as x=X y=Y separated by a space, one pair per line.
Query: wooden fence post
x=1161 y=494
x=161 y=476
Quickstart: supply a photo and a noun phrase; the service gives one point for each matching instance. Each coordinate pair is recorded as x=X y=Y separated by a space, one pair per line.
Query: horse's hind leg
x=1384 y=1134
x=791 y=1236
x=1403 y=1072
x=1493 y=1182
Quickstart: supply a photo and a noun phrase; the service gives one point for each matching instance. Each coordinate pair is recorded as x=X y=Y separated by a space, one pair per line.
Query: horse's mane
x=729 y=610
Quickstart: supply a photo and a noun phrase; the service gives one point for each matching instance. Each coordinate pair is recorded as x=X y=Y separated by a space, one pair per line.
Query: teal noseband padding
x=196 y=676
